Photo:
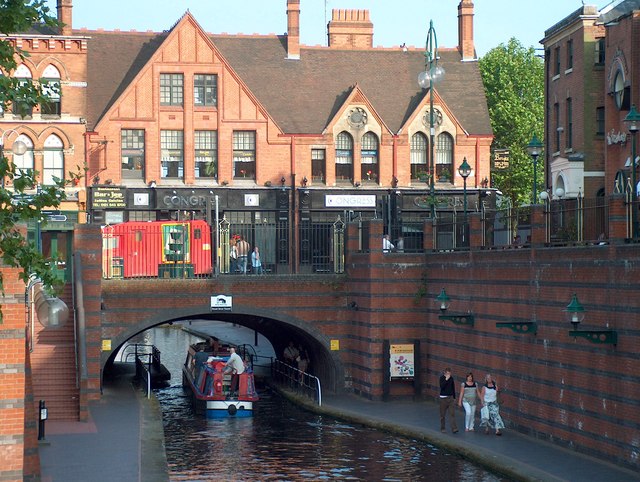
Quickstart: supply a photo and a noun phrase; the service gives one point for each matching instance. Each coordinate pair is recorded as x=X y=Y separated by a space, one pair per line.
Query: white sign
x=141 y=199
x=221 y=303
x=350 y=201
x=252 y=200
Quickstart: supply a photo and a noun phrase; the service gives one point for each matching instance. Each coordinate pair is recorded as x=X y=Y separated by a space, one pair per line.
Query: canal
x=283 y=442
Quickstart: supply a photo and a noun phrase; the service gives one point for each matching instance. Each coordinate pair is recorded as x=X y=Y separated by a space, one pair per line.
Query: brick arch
x=277 y=327
x=46 y=132
x=50 y=60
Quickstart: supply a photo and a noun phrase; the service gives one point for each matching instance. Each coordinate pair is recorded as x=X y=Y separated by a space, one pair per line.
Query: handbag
x=484 y=413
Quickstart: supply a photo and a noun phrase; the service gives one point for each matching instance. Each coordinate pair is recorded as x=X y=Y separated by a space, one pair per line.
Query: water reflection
x=282 y=442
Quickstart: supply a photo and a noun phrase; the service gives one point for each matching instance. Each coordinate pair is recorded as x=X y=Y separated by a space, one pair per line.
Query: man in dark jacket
x=447 y=400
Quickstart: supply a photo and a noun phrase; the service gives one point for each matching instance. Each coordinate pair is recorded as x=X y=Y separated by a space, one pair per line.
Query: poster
x=401 y=361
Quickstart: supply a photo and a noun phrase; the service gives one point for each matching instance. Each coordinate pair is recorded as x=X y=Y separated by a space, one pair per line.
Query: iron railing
x=296 y=380
x=188 y=249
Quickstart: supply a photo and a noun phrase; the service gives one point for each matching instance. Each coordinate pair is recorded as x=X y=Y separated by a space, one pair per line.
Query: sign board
x=335 y=345
x=221 y=303
x=106 y=345
x=501 y=159
x=350 y=201
x=108 y=198
x=252 y=200
x=401 y=361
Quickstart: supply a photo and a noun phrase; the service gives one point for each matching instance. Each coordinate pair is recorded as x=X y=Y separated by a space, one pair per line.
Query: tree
x=513 y=78
x=24 y=201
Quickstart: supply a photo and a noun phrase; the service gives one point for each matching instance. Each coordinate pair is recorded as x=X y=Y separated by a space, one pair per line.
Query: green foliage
x=513 y=79
x=19 y=204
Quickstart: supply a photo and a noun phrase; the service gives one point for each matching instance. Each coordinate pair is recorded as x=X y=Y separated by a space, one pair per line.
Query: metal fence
x=296 y=380
x=193 y=249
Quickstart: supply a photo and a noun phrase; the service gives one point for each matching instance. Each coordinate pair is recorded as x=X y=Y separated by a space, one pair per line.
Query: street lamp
x=632 y=120
x=535 y=148
x=18 y=148
x=464 y=170
x=432 y=73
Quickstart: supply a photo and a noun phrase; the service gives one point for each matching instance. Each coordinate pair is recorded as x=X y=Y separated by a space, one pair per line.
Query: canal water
x=283 y=442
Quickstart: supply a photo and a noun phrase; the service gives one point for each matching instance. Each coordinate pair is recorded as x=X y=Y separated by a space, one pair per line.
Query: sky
x=395 y=21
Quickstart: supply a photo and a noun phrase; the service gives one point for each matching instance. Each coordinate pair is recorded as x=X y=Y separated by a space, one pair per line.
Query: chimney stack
x=293 y=29
x=64 y=16
x=465 y=30
x=350 y=29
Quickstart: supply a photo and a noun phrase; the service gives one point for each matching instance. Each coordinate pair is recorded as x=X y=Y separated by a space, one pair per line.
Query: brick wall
x=569 y=391
x=19 y=458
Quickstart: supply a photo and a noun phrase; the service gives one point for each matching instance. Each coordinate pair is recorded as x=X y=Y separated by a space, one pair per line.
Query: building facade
x=259 y=130
x=590 y=60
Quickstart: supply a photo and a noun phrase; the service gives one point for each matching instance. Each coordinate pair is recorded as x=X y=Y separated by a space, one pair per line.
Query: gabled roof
x=302 y=96
x=113 y=60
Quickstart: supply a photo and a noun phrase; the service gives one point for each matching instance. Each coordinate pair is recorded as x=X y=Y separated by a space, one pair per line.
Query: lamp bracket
x=604 y=337
x=459 y=319
x=524 y=327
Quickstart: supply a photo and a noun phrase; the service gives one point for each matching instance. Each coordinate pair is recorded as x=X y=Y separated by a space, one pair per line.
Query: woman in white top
x=467 y=398
x=489 y=398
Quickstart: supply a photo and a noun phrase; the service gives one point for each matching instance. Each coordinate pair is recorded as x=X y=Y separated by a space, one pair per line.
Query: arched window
x=444 y=157
x=23 y=162
x=344 y=157
x=51 y=88
x=23 y=74
x=369 y=170
x=53 y=163
x=419 y=156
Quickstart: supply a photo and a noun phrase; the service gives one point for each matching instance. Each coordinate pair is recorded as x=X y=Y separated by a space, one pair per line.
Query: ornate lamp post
x=432 y=73
x=632 y=120
x=535 y=148
x=464 y=170
x=18 y=148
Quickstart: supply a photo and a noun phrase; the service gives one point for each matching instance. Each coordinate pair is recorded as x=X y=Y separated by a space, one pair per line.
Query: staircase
x=53 y=364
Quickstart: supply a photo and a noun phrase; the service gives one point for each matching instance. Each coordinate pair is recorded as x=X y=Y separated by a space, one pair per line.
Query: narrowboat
x=205 y=379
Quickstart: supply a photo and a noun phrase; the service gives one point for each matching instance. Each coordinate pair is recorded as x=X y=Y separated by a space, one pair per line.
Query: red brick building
x=590 y=66
x=175 y=118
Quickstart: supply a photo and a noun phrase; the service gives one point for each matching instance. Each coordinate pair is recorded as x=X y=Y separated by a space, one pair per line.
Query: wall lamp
x=282 y=181
x=304 y=181
x=353 y=306
x=457 y=318
x=575 y=314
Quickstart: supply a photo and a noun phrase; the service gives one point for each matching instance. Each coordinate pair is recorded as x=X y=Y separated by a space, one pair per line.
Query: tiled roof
x=302 y=95
x=114 y=59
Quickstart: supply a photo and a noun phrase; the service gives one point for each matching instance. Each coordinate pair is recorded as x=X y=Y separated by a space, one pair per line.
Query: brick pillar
x=475 y=230
x=87 y=242
x=13 y=386
x=538 y=225
x=427 y=242
x=376 y=232
x=617 y=219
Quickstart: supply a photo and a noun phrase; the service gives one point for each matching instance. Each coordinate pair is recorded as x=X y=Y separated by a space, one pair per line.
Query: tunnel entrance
x=251 y=329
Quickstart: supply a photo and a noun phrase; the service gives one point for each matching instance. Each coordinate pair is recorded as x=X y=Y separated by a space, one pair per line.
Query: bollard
x=42 y=416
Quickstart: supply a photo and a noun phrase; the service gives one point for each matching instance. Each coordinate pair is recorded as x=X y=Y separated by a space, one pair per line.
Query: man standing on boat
x=235 y=366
